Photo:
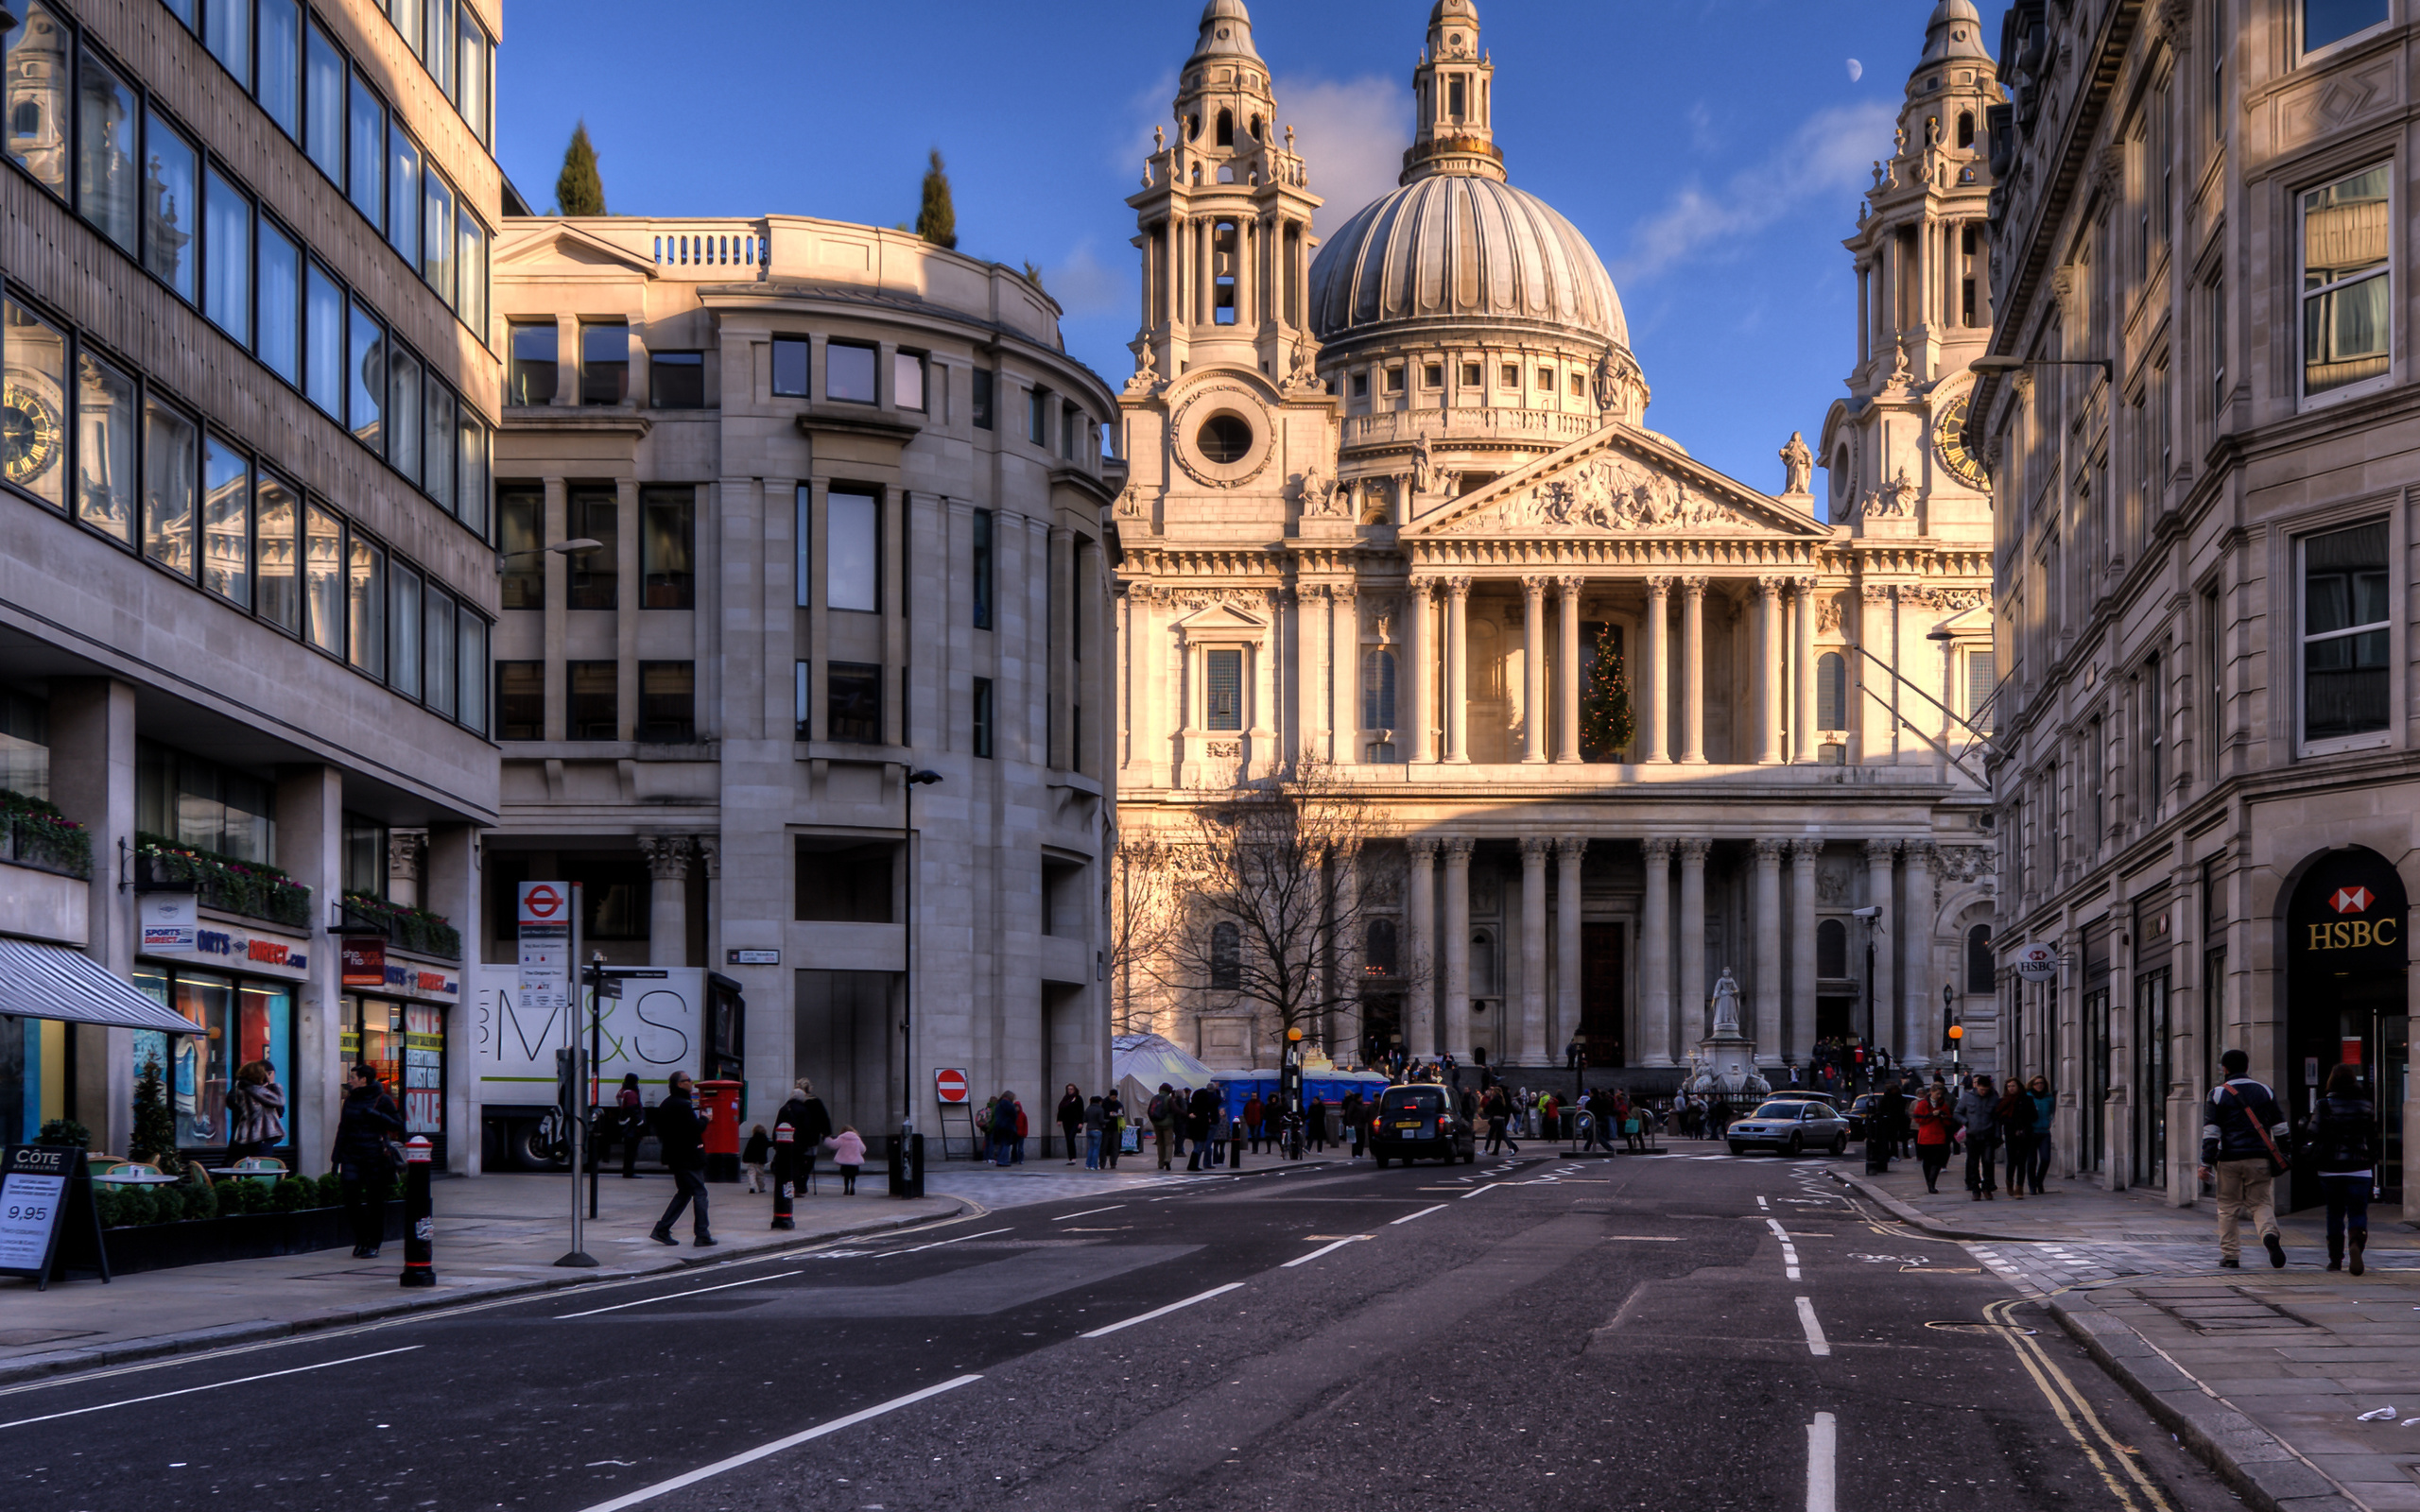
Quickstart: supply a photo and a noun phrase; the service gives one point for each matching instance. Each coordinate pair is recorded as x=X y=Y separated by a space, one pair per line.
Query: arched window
x=1226 y=129
x=1226 y=958
x=1192 y=127
x=1226 y=259
x=1378 y=690
x=1978 y=959
x=1831 y=691
x=1832 y=948
x=1378 y=958
x=1965 y=128
x=1483 y=964
x=1258 y=134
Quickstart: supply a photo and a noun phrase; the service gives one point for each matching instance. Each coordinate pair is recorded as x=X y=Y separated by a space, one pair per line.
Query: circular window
x=1224 y=438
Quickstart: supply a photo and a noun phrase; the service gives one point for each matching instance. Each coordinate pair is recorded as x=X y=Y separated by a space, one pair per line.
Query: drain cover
x=1981 y=1328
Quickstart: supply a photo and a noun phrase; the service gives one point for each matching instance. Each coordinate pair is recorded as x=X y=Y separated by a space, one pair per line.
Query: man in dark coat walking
x=1200 y=1112
x=810 y=1125
x=678 y=1125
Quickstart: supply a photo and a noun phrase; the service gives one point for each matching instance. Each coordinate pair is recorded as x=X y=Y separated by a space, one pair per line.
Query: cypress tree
x=579 y=190
x=155 y=1123
x=936 y=218
x=1605 y=721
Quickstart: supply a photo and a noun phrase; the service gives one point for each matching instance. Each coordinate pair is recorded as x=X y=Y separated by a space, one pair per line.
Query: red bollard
x=420 y=1229
x=782 y=1137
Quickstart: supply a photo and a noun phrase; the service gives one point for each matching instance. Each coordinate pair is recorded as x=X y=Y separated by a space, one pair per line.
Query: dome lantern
x=1452 y=90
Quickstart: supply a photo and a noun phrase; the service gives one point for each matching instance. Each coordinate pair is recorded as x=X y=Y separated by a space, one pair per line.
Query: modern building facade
x=2204 y=768
x=244 y=585
x=850 y=507
x=1392 y=496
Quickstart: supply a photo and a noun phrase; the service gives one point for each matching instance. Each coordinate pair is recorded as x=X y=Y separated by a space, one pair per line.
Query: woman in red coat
x=1935 y=1124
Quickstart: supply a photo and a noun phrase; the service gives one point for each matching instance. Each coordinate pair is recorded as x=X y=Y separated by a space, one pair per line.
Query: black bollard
x=782 y=1138
x=1235 y=1145
x=420 y=1229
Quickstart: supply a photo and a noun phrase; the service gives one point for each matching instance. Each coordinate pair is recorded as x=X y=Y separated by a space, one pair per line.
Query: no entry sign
x=950 y=1085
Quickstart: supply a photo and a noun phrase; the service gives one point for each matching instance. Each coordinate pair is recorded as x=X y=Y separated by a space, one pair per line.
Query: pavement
x=497 y=1236
x=1545 y=1330
x=2265 y=1374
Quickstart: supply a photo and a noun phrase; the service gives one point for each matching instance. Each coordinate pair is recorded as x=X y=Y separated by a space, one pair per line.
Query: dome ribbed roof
x=1462 y=247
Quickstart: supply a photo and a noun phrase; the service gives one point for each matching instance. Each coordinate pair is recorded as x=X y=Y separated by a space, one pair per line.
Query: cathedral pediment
x=1619 y=481
x=562 y=242
x=1220 y=617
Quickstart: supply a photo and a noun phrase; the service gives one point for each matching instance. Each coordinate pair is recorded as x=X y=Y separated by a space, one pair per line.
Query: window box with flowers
x=34 y=834
x=413 y=929
x=252 y=888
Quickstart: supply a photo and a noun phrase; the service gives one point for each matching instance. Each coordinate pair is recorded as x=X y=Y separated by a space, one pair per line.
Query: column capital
x=1770 y=588
x=1693 y=587
x=1922 y=854
x=1880 y=850
x=710 y=852
x=1694 y=848
x=1422 y=589
x=1458 y=850
x=1658 y=847
x=1344 y=593
x=1422 y=848
x=668 y=855
x=1570 y=584
x=1535 y=848
x=1312 y=592
x=1770 y=850
x=1537 y=586
x=1457 y=587
x=1805 y=587
x=1571 y=847
x=1804 y=850
x=1660 y=585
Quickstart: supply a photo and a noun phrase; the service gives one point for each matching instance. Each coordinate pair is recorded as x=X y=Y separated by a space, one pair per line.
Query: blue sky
x=1713 y=150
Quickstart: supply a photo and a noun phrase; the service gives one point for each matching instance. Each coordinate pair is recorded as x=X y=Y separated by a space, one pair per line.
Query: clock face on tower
x=1949 y=443
x=28 y=435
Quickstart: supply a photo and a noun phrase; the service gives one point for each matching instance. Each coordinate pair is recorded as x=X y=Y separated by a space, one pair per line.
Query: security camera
x=1873 y=912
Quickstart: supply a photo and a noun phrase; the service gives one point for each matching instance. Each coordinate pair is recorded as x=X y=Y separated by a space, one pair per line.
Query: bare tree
x=1146 y=914
x=1275 y=910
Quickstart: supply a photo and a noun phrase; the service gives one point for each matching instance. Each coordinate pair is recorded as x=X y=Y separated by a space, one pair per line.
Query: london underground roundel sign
x=950 y=1085
x=2037 y=962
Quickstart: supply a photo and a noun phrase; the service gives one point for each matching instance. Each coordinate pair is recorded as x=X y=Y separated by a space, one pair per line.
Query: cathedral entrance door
x=1602 y=976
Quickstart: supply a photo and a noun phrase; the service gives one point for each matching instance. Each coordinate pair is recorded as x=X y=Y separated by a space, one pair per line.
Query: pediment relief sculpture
x=1604 y=494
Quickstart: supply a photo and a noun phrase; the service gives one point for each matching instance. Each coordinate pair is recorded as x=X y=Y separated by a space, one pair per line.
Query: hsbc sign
x=2347 y=914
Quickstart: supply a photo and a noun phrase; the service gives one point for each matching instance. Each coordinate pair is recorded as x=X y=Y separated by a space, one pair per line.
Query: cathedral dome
x=1464 y=248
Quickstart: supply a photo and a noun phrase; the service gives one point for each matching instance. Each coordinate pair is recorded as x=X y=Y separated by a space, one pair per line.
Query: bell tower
x=1225 y=216
x=1454 y=91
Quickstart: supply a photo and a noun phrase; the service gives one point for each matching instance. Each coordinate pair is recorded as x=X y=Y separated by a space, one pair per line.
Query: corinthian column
x=1768 y=927
x=1651 y=679
x=1919 y=1033
x=1802 y=939
x=1803 y=669
x=1885 y=927
x=1535 y=718
x=1567 y=945
x=1769 y=671
x=1457 y=949
x=1311 y=732
x=1566 y=672
x=1420 y=955
x=1344 y=671
x=1458 y=672
x=1532 y=1046
x=667 y=923
x=1691 y=676
x=1656 y=1026
x=1692 y=1003
x=1419 y=659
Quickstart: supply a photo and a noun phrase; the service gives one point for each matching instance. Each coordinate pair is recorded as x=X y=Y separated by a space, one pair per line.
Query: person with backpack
x=1162 y=1112
x=1113 y=1128
x=2242 y=1139
x=2344 y=1140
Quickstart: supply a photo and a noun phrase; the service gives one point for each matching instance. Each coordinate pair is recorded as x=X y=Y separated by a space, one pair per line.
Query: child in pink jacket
x=849 y=1153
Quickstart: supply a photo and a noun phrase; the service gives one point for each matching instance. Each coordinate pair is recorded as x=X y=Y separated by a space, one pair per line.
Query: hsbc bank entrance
x=2346 y=1002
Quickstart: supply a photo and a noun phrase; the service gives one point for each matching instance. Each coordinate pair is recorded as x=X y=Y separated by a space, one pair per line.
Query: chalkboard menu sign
x=48 y=1220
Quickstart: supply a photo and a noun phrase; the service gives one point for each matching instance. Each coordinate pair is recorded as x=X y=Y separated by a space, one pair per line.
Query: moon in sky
x=1857 y=70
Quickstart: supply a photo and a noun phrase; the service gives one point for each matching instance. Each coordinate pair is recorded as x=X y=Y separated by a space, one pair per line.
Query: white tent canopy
x=1139 y=1062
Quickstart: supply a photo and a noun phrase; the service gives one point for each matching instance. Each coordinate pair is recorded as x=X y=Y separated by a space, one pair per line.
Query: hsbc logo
x=2352 y=900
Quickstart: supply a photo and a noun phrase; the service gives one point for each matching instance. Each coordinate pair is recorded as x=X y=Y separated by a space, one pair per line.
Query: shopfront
x=242 y=1011
x=2347 y=1002
x=400 y=1031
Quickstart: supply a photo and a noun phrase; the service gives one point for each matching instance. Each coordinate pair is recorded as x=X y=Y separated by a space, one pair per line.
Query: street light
x=561 y=548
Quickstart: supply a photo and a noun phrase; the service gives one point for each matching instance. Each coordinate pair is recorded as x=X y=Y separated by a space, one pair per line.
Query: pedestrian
x=1162 y=1112
x=1200 y=1112
x=677 y=1124
x=2013 y=1113
x=257 y=1111
x=1978 y=1116
x=1017 y=1126
x=1500 y=1122
x=2242 y=1133
x=1113 y=1128
x=810 y=1125
x=1886 y=1127
x=1634 y=1118
x=1315 y=1125
x=1935 y=1121
x=2344 y=1142
x=1093 y=1117
x=631 y=1104
x=1007 y=1124
x=848 y=1149
x=759 y=1149
x=364 y=1156
x=1253 y=1113
x=1071 y=1120
x=1571 y=1056
x=1357 y=1119
x=1219 y=1128
x=2046 y=1108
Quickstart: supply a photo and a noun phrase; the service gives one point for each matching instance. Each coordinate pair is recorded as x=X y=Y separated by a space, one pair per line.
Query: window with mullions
x=982 y=573
x=667 y=701
x=2348 y=316
x=521 y=701
x=1378 y=690
x=593 y=711
x=1222 y=675
x=667 y=547
x=790 y=366
x=853 y=702
x=193 y=802
x=604 y=362
x=226 y=522
x=2346 y=633
x=595 y=515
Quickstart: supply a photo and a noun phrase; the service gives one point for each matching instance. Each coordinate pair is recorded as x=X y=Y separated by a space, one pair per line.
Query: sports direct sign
x=950 y=1085
x=2037 y=962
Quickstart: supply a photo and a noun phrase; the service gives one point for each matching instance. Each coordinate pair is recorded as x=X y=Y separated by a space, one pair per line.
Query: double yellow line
x=2134 y=1491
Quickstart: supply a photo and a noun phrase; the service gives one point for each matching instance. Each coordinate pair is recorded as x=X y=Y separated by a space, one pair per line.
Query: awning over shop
x=53 y=982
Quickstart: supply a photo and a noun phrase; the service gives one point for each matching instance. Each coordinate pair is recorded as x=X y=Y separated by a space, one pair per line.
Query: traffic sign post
x=949 y=1086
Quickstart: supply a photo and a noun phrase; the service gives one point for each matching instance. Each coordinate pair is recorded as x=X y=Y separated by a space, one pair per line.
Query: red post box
x=720 y=1100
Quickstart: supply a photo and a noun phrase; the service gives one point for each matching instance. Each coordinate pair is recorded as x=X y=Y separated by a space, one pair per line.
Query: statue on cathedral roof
x=1798 y=464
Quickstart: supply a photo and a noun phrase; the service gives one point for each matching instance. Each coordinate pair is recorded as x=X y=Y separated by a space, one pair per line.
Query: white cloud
x=1828 y=155
x=1353 y=134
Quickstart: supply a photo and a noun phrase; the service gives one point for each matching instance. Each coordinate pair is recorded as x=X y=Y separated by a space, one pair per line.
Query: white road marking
x=1816 y=1343
x=1648 y=1239
x=187 y=1391
x=1766 y=1206
x=938 y=1243
x=1163 y=1312
x=709 y=1472
x=1422 y=1213
x=1350 y=1239
x=670 y=1297
x=1474 y=1192
x=1087 y=1212
x=1821 y=1452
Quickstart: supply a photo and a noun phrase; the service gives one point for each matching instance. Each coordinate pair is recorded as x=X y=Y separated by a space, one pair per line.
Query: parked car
x=1791 y=1127
x=1420 y=1123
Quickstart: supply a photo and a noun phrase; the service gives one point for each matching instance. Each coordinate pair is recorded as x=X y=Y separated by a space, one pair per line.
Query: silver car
x=1791 y=1126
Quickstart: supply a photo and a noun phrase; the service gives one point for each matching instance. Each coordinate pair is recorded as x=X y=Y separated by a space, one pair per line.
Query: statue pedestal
x=1727 y=1067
